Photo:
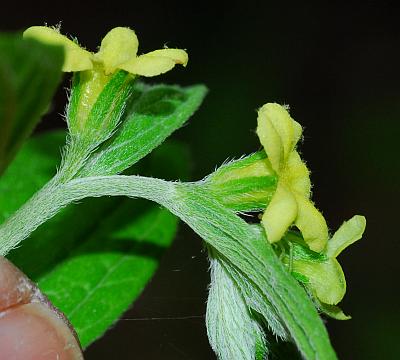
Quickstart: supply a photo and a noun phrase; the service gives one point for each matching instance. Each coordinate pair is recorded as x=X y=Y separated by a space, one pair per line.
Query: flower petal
x=178 y=56
x=280 y=213
x=278 y=133
x=297 y=175
x=311 y=224
x=156 y=62
x=76 y=58
x=297 y=133
x=348 y=233
x=117 y=47
x=326 y=279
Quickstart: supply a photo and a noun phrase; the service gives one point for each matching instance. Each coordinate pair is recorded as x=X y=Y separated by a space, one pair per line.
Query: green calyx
x=94 y=113
x=247 y=184
x=97 y=103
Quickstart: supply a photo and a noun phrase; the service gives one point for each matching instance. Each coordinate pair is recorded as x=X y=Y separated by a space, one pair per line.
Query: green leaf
x=275 y=335
x=257 y=301
x=33 y=166
x=153 y=114
x=29 y=74
x=92 y=259
x=117 y=260
x=232 y=329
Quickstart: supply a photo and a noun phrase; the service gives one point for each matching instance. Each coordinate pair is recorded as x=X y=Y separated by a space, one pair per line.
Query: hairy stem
x=55 y=195
x=247 y=251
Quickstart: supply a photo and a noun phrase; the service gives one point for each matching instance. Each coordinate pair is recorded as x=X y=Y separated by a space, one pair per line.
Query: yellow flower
x=291 y=203
x=118 y=50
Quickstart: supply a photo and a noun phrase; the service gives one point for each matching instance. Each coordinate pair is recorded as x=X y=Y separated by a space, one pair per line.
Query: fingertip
x=31 y=328
x=33 y=331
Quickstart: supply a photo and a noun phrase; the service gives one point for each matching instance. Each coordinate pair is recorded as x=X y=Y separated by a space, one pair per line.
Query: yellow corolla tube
x=118 y=51
x=291 y=203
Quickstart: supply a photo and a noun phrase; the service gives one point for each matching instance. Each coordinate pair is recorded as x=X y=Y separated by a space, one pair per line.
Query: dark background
x=336 y=65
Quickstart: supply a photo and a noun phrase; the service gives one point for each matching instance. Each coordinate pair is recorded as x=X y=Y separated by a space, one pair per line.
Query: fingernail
x=15 y=287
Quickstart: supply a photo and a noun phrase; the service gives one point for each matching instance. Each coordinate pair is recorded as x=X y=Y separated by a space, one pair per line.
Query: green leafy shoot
x=94 y=258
